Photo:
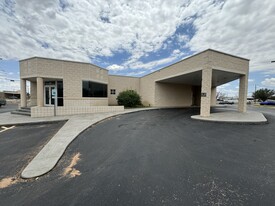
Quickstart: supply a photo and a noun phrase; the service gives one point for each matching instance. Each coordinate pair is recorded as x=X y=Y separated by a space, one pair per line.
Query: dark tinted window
x=60 y=93
x=92 y=89
x=60 y=89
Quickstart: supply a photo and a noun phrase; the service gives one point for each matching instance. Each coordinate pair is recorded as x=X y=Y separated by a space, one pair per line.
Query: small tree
x=263 y=94
x=220 y=96
x=129 y=98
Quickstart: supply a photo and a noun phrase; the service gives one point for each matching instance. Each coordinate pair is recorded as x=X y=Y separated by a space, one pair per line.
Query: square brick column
x=213 y=96
x=23 y=93
x=206 y=86
x=33 y=93
x=243 y=93
x=40 y=91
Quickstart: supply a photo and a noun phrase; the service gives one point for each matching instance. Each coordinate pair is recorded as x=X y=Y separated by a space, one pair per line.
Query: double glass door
x=50 y=93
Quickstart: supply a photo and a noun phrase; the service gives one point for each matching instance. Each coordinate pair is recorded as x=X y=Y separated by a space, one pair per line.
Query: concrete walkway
x=48 y=157
x=233 y=116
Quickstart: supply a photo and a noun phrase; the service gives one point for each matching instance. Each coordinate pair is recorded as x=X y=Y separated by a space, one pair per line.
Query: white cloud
x=182 y=38
x=243 y=28
x=8 y=84
x=115 y=67
x=269 y=82
x=176 y=55
x=84 y=29
x=176 y=51
x=229 y=92
x=251 y=80
x=136 y=73
x=224 y=85
x=269 y=72
x=81 y=30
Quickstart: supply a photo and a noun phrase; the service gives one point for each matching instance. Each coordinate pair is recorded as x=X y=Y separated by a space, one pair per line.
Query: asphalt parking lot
x=19 y=144
x=159 y=157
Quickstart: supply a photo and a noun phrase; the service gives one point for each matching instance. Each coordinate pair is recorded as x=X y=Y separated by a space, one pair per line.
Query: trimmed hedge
x=129 y=98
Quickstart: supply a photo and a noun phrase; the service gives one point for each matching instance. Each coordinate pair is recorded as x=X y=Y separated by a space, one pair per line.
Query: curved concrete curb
x=234 y=117
x=51 y=153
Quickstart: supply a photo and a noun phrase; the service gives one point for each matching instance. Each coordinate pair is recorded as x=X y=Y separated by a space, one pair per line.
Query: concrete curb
x=34 y=123
x=234 y=117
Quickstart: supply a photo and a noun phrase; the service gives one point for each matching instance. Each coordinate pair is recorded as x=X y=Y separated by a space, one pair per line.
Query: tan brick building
x=76 y=87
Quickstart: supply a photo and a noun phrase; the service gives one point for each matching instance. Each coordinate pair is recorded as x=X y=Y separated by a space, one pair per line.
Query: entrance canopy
x=204 y=76
x=195 y=78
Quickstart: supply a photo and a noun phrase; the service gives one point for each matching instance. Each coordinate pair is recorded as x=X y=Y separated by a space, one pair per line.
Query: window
x=113 y=91
x=60 y=93
x=93 y=89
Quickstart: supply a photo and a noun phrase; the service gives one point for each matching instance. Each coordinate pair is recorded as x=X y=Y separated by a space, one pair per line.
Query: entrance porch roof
x=195 y=78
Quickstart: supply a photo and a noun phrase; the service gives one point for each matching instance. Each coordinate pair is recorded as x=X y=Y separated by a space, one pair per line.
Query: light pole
x=12 y=80
x=255 y=93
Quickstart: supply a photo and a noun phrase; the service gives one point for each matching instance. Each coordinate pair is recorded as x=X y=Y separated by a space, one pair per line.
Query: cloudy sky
x=136 y=37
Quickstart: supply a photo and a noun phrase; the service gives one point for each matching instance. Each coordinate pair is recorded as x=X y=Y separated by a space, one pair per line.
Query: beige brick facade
x=34 y=93
x=192 y=81
x=206 y=89
x=173 y=95
x=119 y=84
x=61 y=111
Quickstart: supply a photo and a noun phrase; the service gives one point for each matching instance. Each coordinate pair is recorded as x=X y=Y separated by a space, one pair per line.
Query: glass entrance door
x=50 y=93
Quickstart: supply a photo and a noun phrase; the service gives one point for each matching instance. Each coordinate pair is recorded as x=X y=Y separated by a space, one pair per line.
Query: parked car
x=3 y=102
x=226 y=102
x=268 y=102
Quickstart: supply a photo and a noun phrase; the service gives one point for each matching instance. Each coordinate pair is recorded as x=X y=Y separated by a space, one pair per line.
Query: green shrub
x=129 y=98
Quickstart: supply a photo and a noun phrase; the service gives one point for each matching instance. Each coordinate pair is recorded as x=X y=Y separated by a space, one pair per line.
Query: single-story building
x=77 y=87
x=10 y=94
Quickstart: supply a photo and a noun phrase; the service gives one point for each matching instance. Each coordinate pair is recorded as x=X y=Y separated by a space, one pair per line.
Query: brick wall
x=49 y=111
x=121 y=83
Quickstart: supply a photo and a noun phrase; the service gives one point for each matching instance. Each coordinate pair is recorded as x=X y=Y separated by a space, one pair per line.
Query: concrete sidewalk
x=48 y=157
x=233 y=116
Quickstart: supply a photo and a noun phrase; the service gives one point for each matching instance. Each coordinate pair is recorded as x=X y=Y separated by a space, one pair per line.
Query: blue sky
x=138 y=37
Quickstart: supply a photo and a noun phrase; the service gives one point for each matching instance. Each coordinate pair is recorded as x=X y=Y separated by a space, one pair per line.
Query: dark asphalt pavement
x=160 y=157
x=20 y=144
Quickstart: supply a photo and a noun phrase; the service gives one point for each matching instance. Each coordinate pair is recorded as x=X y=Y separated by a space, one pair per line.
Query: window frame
x=93 y=89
